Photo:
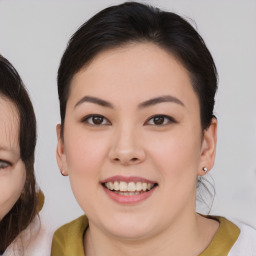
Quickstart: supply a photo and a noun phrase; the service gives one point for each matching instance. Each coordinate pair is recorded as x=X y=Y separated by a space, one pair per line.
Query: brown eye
x=159 y=120
x=96 y=120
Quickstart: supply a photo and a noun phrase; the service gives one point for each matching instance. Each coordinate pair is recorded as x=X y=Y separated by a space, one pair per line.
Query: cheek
x=85 y=155
x=84 y=152
x=177 y=160
x=176 y=154
x=11 y=186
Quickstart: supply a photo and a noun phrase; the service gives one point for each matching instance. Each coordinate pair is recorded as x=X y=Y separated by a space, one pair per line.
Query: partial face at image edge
x=12 y=168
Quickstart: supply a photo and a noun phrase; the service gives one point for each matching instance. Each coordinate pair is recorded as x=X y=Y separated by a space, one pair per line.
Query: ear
x=208 y=150
x=60 y=152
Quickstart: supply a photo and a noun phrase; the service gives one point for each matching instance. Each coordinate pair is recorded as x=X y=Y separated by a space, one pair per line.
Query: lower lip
x=133 y=199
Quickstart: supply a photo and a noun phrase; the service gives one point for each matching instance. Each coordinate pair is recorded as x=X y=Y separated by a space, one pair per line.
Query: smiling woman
x=136 y=88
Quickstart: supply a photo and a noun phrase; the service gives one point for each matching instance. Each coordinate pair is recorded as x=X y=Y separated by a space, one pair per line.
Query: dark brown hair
x=24 y=210
x=135 y=22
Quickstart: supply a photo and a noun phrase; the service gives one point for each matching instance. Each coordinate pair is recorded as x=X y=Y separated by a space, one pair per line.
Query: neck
x=188 y=236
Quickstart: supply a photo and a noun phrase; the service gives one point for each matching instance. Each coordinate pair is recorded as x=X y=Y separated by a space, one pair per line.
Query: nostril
x=132 y=160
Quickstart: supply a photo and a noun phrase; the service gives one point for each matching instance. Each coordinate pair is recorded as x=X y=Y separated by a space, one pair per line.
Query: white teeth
x=110 y=185
x=116 y=186
x=123 y=188
x=138 y=186
x=127 y=193
x=131 y=186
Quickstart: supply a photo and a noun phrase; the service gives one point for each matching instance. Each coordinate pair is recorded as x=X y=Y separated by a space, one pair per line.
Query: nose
x=126 y=148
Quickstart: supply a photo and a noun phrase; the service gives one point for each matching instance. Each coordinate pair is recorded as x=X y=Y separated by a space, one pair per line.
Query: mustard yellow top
x=68 y=240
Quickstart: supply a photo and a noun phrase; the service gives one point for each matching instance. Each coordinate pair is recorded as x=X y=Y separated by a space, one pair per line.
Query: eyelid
x=86 y=118
x=169 y=118
x=4 y=164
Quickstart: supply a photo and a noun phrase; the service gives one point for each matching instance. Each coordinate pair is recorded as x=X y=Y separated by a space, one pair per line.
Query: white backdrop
x=33 y=36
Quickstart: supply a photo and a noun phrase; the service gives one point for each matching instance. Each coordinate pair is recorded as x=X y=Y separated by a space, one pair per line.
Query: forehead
x=138 y=69
x=9 y=125
x=134 y=54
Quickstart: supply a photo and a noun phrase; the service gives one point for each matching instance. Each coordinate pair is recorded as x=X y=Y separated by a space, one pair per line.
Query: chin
x=130 y=234
x=129 y=229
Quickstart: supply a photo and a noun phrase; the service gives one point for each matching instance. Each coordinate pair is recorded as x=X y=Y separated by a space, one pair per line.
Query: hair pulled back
x=135 y=22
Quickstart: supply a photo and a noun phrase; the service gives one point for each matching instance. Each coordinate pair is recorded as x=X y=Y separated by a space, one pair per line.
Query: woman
x=19 y=201
x=136 y=88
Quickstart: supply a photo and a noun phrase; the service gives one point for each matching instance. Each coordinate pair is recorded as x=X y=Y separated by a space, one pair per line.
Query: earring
x=62 y=173
x=205 y=169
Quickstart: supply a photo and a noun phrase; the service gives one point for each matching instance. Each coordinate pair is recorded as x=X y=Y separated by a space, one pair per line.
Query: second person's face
x=12 y=168
x=133 y=141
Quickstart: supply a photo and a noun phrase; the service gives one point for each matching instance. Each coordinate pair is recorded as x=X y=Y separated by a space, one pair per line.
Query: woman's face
x=133 y=144
x=12 y=169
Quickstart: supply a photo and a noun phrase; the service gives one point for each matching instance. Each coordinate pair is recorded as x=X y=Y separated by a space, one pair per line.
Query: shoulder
x=233 y=238
x=40 y=243
x=246 y=242
x=75 y=227
x=34 y=240
x=69 y=237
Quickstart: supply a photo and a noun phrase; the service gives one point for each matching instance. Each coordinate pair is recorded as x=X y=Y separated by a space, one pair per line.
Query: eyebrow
x=148 y=103
x=161 y=99
x=95 y=101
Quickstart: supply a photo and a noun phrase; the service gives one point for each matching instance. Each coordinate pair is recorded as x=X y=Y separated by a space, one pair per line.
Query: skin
x=12 y=169
x=129 y=143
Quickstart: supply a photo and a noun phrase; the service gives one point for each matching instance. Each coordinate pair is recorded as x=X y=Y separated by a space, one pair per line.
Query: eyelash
x=90 y=119
x=167 y=120
x=4 y=164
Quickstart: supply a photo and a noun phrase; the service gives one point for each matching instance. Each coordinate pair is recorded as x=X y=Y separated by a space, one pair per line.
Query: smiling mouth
x=129 y=188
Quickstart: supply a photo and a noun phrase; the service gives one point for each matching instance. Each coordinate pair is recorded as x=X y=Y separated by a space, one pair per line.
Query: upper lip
x=127 y=179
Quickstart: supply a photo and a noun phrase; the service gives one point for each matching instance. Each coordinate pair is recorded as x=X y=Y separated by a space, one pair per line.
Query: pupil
x=97 y=119
x=158 y=120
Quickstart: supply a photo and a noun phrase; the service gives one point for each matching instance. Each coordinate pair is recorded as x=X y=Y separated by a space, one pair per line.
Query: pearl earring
x=205 y=169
